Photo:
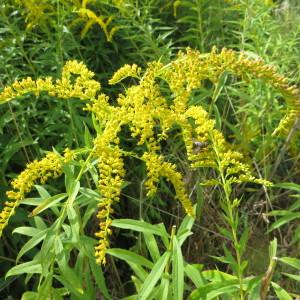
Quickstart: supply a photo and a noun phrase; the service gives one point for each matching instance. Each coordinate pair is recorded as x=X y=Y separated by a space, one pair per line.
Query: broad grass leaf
x=193 y=273
x=74 y=223
x=60 y=255
x=184 y=230
x=69 y=278
x=163 y=291
x=214 y=289
x=154 y=276
x=216 y=275
x=177 y=271
x=29 y=296
x=35 y=240
x=73 y=191
x=48 y=202
x=29 y=231
x=130 y=257
x=288 y=186
x=88 y=140
x=165 y=238
x=292 y=276
x=31 y=267
x=287 y=218
x=138 y=270
x=152 y=246
x=280 y=292
x=291 y=261
x=139 y=226
x=99 y=278
x=45 y=289
x=44 y=194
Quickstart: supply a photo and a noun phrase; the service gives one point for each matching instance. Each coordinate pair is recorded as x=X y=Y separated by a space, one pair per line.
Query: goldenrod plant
x=156 y=110
x=44 y=13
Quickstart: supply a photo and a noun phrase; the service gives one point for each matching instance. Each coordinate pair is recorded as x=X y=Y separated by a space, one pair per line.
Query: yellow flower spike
x=83 y=87
x=112 y=172
x=156 y=168
x=124 y=72
x=48 y=167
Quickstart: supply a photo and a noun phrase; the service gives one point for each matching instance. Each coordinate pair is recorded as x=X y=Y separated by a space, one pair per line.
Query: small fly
x=198 y=146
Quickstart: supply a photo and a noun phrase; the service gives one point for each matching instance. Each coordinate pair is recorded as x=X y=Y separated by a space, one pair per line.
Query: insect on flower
x=198 y=146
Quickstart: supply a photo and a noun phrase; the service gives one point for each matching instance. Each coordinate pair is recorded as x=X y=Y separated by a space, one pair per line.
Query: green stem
x=230 y=215
x=173 y=231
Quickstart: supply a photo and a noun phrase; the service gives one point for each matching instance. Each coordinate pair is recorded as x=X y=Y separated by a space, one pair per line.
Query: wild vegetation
x=150 y=149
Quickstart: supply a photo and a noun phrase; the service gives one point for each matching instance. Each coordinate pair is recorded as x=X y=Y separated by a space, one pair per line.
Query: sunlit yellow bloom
x=37 y=171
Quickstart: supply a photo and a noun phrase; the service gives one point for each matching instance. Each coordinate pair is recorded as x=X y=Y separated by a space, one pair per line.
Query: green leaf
x=36 y=239
x=216 y=275
x=44 y=290
x=139 y=226
x=177 y=271
x=88 y=140
x=295 y=205
x=30 y=267
x=60 y=255
x=164 y=288
x=47 y=251
x=151 y=245
x=193 y=273
x=69 y=278
x=287 y=218
x=42 y=192
x=138 y=270
x=293 y=262
x=69 y=177
x=273 y=249
x=289 y=186
x=90 y=291
x=73 y=191
x=29 y=231
x=130 y=257
x=137 y=283
x=214 y=289
x=154 y=276
x=40 y=223
x=292 y=276
x=165 y=238
x=186 y=225
x=280 y=292
x=74 y=222
x=99 y=278
x=48 y=202
x=29 y=296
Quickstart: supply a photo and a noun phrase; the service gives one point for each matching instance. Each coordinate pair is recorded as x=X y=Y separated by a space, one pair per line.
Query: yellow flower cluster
x=37 y=171
x=76 y=82
x=111 y=169
x=36 y=12
x=151 y=109
x=156 y=168
x=43 y=11
x=124 y=72
x=207 y=147
x=191 y=68
x=91 y=18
